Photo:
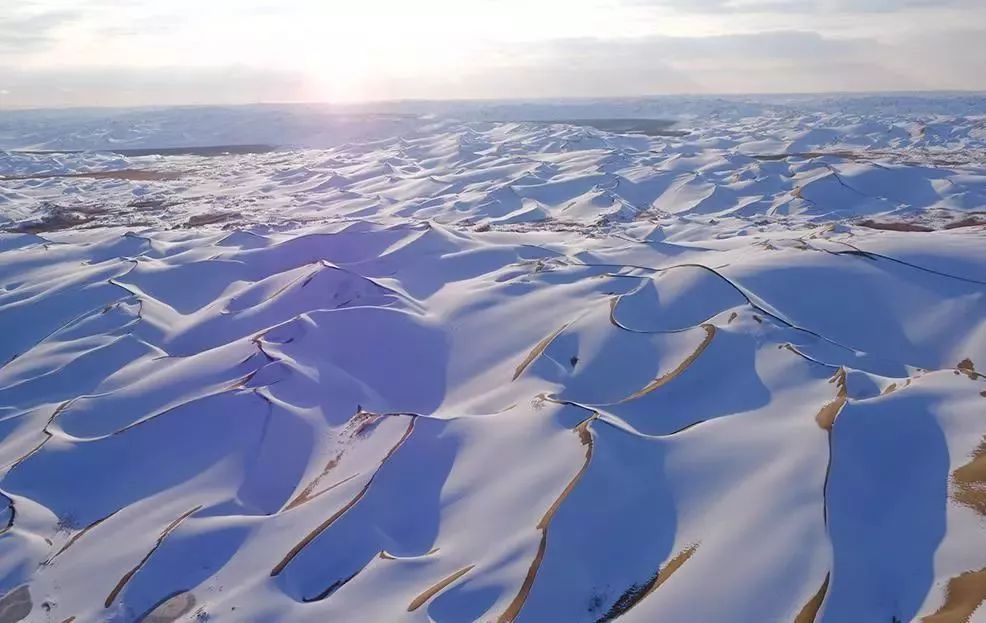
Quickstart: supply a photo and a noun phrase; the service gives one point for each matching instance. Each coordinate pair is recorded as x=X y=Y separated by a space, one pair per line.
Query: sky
x=56 y=53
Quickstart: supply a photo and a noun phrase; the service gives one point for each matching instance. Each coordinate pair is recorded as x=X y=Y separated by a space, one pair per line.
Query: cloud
x=806 y=6
x=803 y=57
x=28 y=32
x=779 y=61
x=113 y=86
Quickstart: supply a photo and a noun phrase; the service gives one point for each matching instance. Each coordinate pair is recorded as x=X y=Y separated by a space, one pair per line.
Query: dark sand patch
x=210 y=150
x=968 y=368
x=210 y=218
x=966 y=222
x=806 y=155
x=648 y=127
x=170 y=609
x=51 y=222
x=134 y=175
x=893 y=226
x=16 y=605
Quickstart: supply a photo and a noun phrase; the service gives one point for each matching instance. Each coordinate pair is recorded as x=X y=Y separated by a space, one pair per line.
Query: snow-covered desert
x=674 y=359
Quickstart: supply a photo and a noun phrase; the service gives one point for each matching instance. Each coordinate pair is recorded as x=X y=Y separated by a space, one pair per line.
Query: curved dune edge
x=311 y=536
x=635 y=594
x=537 y=351
x=710 y=333
x=517 y=604
x=423 y=598
x=130 y=574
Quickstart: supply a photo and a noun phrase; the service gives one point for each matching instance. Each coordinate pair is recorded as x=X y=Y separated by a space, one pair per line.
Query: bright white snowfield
x=684 y=360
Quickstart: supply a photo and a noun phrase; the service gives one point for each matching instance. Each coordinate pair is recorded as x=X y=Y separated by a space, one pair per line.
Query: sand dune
x=507 y=371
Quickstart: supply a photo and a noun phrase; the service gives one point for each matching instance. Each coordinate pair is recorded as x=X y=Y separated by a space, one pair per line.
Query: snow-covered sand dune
x=502 y=371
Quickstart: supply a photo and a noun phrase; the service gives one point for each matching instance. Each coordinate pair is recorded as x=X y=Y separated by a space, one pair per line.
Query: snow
x=495 y=362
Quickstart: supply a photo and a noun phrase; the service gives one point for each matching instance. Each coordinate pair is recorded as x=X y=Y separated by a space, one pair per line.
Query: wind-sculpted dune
x=379 y=394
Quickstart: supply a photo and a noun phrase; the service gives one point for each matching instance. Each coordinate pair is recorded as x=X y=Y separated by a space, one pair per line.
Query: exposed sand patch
x=970 y=481
x=647 y=127
x=963 y=596
x=828 y=413
x=810 y=609
x=894 y=225
x=78 y=535
x=311 y=536
x=210 y=218
x=515 y=606
x=968 y=368
x=171 y=609
x=132 y=175
x=971 y=221
x=664 y=379
x=637 y=593
x=537 y=351
x=332 y=588
x=129 y=574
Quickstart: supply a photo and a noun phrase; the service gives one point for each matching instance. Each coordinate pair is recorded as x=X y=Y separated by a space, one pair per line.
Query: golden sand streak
x=534 y=354
x=710 y=332
x=965 y=593
x=585 y=437
x=78 y=535
x=332 y=588
x=637 y=593
x=129 y=574
x=356 y=427
x=970 y=481
x=342 y=511
x=421 y=599
x=673 y=565
x=306 y=496
x=810 y=609
x=308 y=493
